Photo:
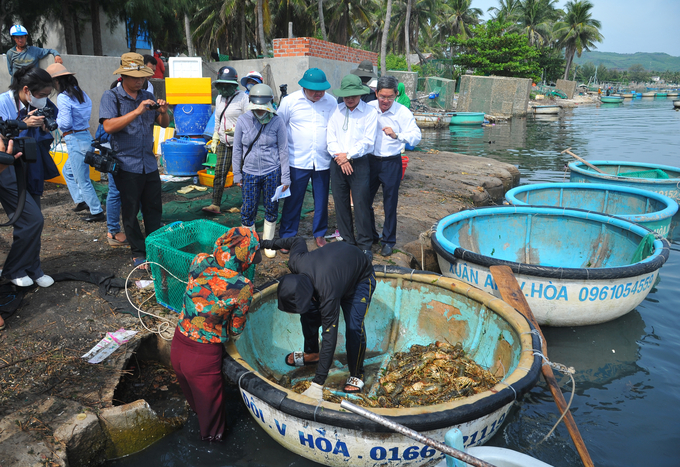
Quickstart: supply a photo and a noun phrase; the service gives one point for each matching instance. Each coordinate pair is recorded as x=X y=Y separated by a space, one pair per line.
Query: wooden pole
x=512 y=294
x=568 y=151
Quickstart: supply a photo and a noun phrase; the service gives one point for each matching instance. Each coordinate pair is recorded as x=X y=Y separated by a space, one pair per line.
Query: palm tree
x=536 y=18
x=578 y=32
x=458 y=19
x=506 y=12
x=322 y=24
x=347 y=18
x=407 y=33
x=383 y=47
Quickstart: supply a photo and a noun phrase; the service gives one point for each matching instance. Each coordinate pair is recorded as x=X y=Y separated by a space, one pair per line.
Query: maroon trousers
x=199 y=373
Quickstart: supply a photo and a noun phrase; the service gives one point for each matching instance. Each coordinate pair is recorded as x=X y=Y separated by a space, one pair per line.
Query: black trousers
x=358 y=184
x=24 y=254
x=133 y=189
x=386 y=171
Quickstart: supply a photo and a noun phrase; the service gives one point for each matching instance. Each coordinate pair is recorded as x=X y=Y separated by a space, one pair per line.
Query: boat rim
x=669 y=211
x=577 y=166
x=444 y=248
x=425 y=418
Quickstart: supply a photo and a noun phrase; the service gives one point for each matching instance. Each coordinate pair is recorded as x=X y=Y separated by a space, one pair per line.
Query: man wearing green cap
x=351 y=136
x=306 y=113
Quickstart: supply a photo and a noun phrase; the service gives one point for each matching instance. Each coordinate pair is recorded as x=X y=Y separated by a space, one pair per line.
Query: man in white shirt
x=351 y=136
x=396 y=126
x=306 y=114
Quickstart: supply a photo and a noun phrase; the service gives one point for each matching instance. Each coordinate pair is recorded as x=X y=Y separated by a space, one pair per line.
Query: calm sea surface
x=627 y=401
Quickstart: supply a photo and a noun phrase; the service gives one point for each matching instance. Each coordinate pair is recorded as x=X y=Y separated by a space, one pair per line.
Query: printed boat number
x=377 y=453
x=615 y=292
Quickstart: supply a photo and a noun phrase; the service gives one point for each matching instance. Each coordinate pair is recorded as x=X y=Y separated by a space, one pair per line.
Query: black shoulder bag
x=243 y=161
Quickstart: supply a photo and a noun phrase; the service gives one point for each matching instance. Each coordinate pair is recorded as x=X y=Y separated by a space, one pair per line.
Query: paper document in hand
x=280 y=193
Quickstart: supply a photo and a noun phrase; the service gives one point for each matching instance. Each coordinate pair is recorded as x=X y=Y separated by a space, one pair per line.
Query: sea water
x=627 y=398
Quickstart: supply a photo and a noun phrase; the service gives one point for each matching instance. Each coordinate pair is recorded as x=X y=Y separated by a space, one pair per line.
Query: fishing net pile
x=425 y=375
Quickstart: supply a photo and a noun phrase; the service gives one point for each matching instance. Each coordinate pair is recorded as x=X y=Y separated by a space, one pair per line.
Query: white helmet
x=18 y=30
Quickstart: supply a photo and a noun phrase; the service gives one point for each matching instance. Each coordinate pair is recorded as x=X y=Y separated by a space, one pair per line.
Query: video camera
x=48 y=113
x=105 y=161
x=10 y=129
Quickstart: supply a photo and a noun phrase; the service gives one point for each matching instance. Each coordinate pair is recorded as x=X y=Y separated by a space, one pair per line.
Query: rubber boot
x=268 y=234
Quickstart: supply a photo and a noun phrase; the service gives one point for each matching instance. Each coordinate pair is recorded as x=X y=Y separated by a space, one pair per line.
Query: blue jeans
x=77 y=173
x=251 y=188
x=113 y=207
x=292 y=206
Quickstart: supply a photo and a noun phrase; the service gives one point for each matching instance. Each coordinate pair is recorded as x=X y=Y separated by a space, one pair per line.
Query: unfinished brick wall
x=311 y=47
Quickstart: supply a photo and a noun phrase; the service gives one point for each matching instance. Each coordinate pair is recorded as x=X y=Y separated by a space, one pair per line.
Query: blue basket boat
x=575 y=267
x=662 y=179
x=467 y=118
x=408 y=307
x=651 y=210
x=611 y=99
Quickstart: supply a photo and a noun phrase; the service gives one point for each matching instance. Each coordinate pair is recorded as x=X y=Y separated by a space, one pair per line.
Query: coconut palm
x=535 y=18
x=347 y=19
x=577 y=32
x=458 y=18
x=383 y=46
x=506 y=11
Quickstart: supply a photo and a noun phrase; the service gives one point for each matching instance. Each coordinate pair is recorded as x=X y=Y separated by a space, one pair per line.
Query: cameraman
x=124 y=112
x=74 y=122
x=28 y=93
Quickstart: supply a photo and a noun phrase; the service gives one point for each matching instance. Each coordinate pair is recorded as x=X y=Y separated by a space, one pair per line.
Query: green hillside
x=651 y=61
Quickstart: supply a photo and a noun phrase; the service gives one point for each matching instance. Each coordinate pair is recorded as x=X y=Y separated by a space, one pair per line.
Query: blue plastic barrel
x=191 y=119
x=183 y=156
x=209 y=128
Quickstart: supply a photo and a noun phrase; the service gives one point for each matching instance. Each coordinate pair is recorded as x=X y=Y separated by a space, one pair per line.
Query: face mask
x=37 y=103
x=264 y=119
x=249 y=86
x=228 y=90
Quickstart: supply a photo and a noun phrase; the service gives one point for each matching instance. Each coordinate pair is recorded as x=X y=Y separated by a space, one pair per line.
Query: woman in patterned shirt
x=216 y=302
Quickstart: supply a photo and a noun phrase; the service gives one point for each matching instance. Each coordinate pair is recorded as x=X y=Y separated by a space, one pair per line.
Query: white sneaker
x=22 y=281
x=44 y=281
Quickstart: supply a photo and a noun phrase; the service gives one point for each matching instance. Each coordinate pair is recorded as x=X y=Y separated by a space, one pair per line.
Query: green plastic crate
x=174 y=247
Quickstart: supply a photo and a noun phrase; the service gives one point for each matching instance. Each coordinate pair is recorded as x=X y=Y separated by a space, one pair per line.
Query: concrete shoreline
x=86 y=428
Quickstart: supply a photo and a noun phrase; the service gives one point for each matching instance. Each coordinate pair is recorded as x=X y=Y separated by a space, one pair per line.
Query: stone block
x=494 y=95
x=84 y=439
x=424 y=257
x=132 y=427
x=410 y=80
x=567 y=87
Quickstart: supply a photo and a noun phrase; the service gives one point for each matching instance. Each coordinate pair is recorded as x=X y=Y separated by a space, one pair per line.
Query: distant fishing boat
x=645 y=208
x=662 y=94
x=467 y=118
x=672 y=94
x=575 y=267
x=676 y=103
x=628 y=95
x=611 y=99
x=407 y=308
x=428 y=119
x=649 y=94
x=662 y=179
x=546 y=109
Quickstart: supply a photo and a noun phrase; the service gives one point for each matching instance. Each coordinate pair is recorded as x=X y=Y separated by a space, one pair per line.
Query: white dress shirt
x=307 y=123
x=402 y=122
x=352 y=132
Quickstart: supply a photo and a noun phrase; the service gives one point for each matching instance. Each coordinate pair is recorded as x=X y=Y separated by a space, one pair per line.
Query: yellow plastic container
x=207 y=180
x=188 y=91
x=60 y=159
x=160 y=134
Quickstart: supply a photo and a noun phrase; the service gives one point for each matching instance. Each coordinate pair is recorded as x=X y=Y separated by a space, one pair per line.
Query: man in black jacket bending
x=336 y=276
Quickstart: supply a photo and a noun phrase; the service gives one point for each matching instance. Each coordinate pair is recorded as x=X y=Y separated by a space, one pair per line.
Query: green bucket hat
x=314 y=79
x=351 y=86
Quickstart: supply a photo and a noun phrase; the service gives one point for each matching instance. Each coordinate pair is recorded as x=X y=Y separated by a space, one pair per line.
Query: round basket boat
x=611 y=99
x=467 y=118
x=676 y=104
x=407 y=308
x=575 y=267
x=662 y=179
x=546 y=109
x=651 y=210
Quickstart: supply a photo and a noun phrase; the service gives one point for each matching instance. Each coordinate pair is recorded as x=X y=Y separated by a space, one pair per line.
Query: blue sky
x=657 y=21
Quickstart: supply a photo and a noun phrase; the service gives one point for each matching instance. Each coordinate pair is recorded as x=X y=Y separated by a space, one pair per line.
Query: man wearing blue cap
x=306 y=113
x=22 y=55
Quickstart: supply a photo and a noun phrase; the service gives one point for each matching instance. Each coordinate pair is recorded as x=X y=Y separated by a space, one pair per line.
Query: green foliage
x=493 y=51
x=398 y=62
x=551 y=61
x=638 y=73
x=651 y=61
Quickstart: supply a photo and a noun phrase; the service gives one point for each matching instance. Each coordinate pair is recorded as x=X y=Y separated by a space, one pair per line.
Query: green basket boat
x=467 y=118
x=611 y=99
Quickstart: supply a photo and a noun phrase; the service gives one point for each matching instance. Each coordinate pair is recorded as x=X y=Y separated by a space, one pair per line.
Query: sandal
x=354 y=382
x=138 y=263
x=299 y=359
x=114 y=242
x=212 y=209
